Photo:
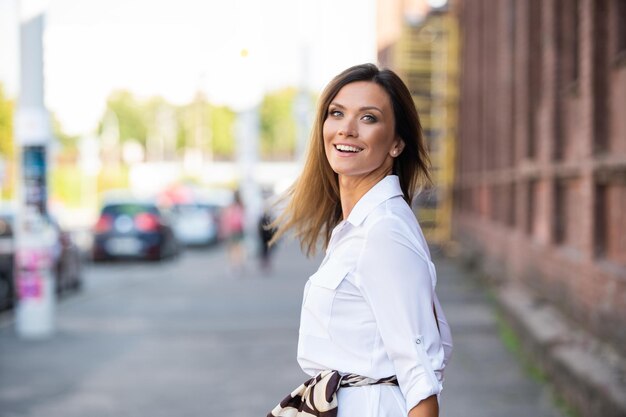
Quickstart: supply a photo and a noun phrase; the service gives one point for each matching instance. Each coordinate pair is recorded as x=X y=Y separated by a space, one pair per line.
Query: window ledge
x=611 y=267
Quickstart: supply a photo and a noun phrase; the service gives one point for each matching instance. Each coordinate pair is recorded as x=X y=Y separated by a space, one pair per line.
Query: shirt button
x=418 y=341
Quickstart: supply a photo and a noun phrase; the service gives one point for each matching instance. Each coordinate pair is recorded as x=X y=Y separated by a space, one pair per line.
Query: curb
x=588 y=374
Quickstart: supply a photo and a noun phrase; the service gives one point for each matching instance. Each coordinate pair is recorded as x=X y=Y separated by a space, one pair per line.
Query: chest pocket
x=319 y=295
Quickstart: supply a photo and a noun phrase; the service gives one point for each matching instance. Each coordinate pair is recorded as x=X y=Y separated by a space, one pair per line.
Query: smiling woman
x=360 y=139
x=313 y=202
x=373 y=335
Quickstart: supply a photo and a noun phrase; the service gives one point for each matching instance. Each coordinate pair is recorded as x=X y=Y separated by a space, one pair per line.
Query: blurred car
x=67 y=269
x=133 y=229
x=196 y=224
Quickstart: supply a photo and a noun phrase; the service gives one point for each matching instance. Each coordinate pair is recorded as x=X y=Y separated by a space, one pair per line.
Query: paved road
x=186 y=338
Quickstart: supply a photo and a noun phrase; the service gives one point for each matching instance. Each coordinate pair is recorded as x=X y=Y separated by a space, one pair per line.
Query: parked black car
x=133 y=229
x=7 y=250
x=67 y=267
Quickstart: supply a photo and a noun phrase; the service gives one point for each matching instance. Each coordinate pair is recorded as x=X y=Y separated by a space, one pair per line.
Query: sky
x=173 y=48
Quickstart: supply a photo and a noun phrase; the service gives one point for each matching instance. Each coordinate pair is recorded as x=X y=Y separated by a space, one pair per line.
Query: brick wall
x=541 y=161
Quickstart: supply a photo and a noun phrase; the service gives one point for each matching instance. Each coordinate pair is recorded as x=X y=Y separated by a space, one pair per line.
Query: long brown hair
x=313 y=205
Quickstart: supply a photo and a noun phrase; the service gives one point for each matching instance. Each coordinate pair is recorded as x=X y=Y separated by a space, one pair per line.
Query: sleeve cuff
x=420 y=391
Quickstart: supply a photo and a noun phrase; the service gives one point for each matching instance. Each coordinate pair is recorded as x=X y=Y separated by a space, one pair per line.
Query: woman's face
x=359 y=132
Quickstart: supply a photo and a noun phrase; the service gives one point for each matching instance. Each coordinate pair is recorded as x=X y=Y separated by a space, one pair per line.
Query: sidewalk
x=484 y=379
x=185 y=338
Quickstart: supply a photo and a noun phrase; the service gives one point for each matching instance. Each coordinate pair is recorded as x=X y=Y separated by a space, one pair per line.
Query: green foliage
x=222 y=130
x=278 y=124
x=7 y=149
x=208 y=127
x=69 y=143
x=202 y=125
x=195 y=125
x=65 y=183
x=132 y=116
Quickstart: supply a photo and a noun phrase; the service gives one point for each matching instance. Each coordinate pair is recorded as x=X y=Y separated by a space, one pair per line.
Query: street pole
x=247 y=137
x=35 y=238
x=302 y=105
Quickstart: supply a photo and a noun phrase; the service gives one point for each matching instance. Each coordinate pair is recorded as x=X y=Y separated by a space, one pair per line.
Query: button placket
x=333 y=239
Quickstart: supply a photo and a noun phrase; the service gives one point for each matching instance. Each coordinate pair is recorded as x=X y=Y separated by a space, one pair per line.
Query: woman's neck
x=351 y=189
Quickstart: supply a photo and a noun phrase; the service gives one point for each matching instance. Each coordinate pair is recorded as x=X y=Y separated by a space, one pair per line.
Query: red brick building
x=540 y=184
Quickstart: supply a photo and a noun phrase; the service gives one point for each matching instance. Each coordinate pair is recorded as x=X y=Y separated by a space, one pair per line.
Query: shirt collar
x=385 y=189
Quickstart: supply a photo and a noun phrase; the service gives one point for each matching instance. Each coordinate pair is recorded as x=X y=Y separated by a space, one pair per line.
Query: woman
x=233 y=230
x=371 y=329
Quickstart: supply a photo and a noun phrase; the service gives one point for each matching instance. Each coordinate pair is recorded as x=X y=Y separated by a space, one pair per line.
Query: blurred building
x=420 y=43
x=540 y=188
x=536 y=161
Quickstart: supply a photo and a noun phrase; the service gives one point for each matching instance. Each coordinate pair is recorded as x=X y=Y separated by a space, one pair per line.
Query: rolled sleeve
x=394 y=277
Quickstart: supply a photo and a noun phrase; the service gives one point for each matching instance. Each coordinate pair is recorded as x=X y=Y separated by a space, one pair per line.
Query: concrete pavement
x=484 y=378
x=186 y=338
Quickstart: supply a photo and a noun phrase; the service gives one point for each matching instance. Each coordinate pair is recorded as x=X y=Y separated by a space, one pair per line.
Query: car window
x=183 y=209
x=209 y=207
x=131 y=209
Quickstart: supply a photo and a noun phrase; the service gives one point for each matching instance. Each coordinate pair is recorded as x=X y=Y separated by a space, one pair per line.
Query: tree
x=222 y=129
x=7 y=148
x=208 y=127
x=278 y=124
x=157 y=124
x=68 y=143
x=129 y=114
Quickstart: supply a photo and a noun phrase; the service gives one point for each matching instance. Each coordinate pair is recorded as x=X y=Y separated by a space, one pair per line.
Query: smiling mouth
x=348 y=148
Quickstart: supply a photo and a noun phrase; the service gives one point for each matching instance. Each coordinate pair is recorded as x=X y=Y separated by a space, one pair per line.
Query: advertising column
x=35 y=237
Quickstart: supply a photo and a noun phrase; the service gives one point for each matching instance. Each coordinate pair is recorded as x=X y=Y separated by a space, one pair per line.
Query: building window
x=620 y=26
x=531 y=202
x=567 y=22
x=512 y=19
x=535 y=51
x=512 y=208
x=616 y=248
x=560 y=212
x=600 y=220
x=570 y=36
x=601 y=76
x=610 y=218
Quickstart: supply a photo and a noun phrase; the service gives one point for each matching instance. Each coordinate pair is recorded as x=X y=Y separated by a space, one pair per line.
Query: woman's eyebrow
x=360 y=109
x=371 y=108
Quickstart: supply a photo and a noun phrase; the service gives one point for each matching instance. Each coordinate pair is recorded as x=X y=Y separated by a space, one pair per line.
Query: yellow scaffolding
x=426 y=57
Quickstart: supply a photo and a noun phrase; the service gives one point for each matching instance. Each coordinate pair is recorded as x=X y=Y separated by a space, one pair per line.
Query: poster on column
x=35 y=190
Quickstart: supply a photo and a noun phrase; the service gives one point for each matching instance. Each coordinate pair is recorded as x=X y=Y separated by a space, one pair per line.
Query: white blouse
x=368 y=309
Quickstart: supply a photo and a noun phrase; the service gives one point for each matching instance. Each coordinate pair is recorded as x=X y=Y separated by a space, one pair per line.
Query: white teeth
x=348 y=148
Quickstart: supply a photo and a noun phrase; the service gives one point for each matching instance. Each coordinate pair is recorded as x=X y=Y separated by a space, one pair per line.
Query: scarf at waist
x=317 y=397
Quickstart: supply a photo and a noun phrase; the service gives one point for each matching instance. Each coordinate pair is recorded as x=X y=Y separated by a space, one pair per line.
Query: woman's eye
x=369 y=118
x=335 y=113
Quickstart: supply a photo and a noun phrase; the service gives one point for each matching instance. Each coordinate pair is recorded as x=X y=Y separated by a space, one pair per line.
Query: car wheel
x=6 y=295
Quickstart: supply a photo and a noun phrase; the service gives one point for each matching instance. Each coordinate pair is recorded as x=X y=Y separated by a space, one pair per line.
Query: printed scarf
x=317 y=397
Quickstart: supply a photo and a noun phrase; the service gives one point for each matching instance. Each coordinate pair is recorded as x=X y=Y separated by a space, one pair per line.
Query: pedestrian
x=233 y=230
x=373 y=336
x=266 y=232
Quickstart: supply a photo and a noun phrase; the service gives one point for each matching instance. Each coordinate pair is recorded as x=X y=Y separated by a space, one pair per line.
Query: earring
x=394 y=152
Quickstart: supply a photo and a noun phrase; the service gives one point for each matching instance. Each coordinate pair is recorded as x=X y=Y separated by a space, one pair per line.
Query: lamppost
x=35 y=238
x=247 y=140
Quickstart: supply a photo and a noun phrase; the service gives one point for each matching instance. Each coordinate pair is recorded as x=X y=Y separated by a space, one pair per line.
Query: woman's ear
x=397 y=148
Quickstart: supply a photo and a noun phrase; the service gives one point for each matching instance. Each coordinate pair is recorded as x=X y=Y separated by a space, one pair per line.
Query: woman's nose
x=348 y=129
